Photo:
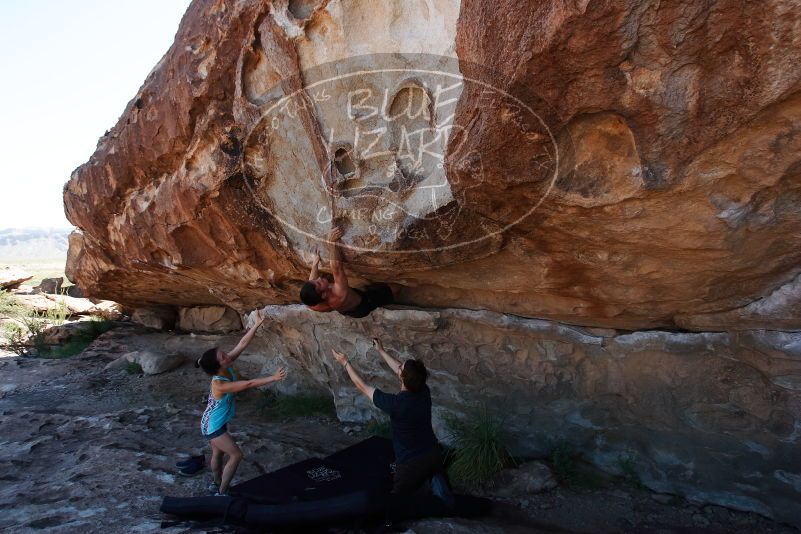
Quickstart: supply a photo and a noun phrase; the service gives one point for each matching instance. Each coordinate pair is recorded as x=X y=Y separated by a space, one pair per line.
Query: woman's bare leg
x=216 y=463
x=227 y=445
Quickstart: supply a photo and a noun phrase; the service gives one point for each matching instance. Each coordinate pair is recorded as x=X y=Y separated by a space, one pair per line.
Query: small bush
x=73 y=347
x=563 y=460
x=297 y=406
x=379 y=427
x=34 y=322
x=479 y=448
x=133 y=368
x=57 y=315
x=9 y=305
x=79 y=342
x=629 y=472
x=15 y=338
x=96 y=326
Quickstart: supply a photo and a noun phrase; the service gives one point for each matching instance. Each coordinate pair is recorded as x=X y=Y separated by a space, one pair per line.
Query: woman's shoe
x=190 y=460
x=191 y=470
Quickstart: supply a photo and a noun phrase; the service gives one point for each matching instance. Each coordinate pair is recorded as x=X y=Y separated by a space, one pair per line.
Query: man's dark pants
x=409 y=476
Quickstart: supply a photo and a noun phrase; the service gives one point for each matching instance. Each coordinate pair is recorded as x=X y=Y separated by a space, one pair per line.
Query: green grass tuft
x=9 y=305
x=73 y=347
x=379 y=427
x=57 y=315
x=35 y=323
x=79 y=342
x=479 y=448
x=297 y=406
x=563 y=460
x=133 y=368
x=96 y=326
x=628 y=469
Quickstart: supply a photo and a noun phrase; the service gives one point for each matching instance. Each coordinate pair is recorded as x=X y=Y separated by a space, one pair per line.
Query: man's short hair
x=309 y=295
x=414 y=375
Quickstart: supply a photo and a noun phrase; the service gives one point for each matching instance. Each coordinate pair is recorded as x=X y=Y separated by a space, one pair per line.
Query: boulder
x=51 y=286
x=74 y=291
x=209 y=319
x=59 y=334
x=11 y=277
x=151 y=363
x=675 y=404
x=637 y=173
x=37 y=302
x=158 y=318
x=105 y=309
x=525 y=479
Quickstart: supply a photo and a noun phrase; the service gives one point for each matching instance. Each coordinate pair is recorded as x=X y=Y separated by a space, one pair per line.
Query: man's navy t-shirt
x=410 y=415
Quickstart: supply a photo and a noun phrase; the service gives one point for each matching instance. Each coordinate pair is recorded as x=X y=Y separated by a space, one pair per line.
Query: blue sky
x=67 y=70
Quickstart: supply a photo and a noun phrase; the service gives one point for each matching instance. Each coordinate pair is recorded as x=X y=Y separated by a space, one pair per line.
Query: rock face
x=50 y=285
x=711 y=416
x=209 y=319
x=159 y=318
x=151 y=364
x=531 y=477
x=11 y=278
x=629 y=164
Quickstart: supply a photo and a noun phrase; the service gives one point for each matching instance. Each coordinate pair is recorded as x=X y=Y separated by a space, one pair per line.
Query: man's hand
x=335 y=234
x=377 y=344
x=316 y=258
x=340 y=358
x=279 y=375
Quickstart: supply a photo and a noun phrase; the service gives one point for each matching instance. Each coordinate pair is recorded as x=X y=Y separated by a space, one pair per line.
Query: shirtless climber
x=321 y=295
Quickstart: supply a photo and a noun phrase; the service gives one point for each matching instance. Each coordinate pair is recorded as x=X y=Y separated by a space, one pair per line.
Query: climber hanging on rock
x=321 y=295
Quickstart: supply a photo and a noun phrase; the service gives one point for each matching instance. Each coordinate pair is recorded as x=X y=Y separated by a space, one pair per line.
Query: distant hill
x=33 y=244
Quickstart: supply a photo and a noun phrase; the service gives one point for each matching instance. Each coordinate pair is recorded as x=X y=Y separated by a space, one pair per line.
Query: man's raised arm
x=393 y=363
x=337 y=268
x=315 y=270
x=354 y=376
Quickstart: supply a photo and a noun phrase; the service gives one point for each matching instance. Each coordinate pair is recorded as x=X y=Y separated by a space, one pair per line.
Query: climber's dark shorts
x=373 y=296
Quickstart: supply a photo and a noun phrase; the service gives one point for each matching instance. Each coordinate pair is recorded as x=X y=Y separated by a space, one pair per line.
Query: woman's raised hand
x=339 y=357
x=279 y=375
x=377 y=344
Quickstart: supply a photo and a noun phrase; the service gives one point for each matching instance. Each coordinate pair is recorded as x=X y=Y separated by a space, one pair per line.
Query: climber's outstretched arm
x=337 y=267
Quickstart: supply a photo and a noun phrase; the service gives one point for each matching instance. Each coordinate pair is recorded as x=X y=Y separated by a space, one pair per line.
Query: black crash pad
x=352 y=483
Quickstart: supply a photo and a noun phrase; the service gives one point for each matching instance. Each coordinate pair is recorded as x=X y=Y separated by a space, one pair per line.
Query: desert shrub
x=133 y=368
x=379 y=427
x=73 y=347
x=297 y=406
x=79 y=342
x=629 y=472
x=9 y=305
x=15 y=338
x=57 y=315
x=479 y=448
x=563 y=460
x=96 y=326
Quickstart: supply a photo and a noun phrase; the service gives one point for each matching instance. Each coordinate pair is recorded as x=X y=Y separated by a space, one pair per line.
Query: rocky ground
x=85 y=449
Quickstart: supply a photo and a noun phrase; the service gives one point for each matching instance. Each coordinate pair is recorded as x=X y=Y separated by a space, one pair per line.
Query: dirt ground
x=83 y=449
